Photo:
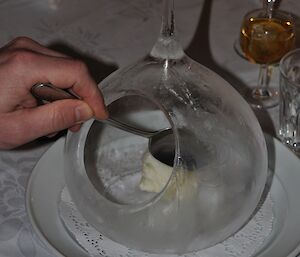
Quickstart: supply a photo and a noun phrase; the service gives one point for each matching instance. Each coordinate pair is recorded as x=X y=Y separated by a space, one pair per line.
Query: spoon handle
x=48 y=92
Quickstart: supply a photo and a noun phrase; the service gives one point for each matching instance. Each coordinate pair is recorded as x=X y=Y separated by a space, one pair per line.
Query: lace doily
x=242 y=244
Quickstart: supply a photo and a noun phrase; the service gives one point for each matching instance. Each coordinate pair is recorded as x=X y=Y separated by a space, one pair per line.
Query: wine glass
x=266 y=35
x=217 y=173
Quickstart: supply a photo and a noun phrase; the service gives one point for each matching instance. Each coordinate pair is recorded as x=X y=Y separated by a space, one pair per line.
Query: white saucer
x=47 y=181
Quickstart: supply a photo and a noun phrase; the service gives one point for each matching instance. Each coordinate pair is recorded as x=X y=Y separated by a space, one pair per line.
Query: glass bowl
x=215 y=171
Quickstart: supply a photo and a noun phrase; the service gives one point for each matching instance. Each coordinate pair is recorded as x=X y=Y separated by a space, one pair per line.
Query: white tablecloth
x=109 y=34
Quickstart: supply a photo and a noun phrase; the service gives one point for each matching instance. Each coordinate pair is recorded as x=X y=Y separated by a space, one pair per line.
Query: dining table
x=108 y=35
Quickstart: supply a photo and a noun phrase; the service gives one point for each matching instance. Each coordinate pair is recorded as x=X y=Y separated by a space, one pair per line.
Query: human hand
x=23 y=63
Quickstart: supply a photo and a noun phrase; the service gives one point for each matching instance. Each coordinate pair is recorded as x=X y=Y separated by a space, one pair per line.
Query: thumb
x=25 y=125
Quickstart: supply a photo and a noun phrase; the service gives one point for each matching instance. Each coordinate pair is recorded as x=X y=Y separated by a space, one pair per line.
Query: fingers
x=31 y=68
x=26 y=43
x=25 y=125
x=69 y=74
x=23 y=63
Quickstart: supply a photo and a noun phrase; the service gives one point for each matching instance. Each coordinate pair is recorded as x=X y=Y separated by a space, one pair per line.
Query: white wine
x=266 y=41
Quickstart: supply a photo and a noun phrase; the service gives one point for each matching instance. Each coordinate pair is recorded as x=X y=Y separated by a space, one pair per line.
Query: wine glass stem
x=168 y=24
x=265 y=73
x=167 y=46
x=269 y=6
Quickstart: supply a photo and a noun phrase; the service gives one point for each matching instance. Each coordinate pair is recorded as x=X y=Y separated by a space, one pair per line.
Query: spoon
x=161 y=142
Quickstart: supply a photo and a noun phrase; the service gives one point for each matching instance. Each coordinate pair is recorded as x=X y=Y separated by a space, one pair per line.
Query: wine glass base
x=260 y=98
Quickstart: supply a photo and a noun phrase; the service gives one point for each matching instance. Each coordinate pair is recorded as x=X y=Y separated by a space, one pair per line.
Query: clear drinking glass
x=266 y=35
x=289 y=130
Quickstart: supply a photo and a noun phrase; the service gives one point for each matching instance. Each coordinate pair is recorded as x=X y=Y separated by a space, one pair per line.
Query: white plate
x=47 y=181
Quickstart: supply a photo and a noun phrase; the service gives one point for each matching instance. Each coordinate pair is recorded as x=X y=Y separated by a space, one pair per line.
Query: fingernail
x=83 y=113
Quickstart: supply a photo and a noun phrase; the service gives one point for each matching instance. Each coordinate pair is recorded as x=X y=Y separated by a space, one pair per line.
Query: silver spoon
x=161 y=142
